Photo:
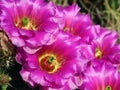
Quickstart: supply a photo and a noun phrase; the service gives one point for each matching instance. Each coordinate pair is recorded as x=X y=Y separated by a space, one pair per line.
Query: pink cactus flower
x=53 y=65
x=103 y=77
x=24 y=20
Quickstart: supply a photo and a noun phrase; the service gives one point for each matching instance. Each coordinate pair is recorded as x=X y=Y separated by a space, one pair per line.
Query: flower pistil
x=108 y=88
x=49 y=63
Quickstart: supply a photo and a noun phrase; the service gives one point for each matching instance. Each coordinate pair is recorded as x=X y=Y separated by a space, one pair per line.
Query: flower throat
x=26 y=24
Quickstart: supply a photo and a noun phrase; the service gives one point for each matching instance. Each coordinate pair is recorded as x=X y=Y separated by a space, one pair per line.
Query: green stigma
x=25 y=21
x=51 y=59
x=108 y=88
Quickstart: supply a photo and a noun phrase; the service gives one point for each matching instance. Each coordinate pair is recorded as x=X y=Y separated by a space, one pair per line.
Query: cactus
x=7 y=58
x=7 y=52
x=4 y=81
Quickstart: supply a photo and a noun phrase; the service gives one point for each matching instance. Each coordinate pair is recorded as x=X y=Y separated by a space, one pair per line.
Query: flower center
x=26 y=23
x=98 y=53
x=68 y=29
x=108 y=88
x=49 y=63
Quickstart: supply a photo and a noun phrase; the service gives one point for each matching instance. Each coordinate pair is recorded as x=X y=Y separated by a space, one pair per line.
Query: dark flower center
x=49 y=63
x=108 y=88
x=26 y=23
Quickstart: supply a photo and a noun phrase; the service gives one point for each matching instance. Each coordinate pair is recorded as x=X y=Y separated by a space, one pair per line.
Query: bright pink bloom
x=53 y=65
x=24 y=20
x=103 y=47
x=103 y=77
x=70 y=20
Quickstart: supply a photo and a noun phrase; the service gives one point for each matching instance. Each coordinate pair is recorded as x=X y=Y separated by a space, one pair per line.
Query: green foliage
x=112 y=14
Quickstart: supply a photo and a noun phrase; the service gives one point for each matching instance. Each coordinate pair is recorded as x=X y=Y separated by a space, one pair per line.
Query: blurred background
x=103 y=12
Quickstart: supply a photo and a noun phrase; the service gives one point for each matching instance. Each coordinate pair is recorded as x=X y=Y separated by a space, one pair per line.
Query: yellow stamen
x=26 y=23
x=98 y=53
x=66 y=29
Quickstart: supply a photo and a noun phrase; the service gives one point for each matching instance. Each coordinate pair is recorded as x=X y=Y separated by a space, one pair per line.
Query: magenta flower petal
x=105 y=46
x=102 y=47
x=38 y=78
x=70 y=20
x=67 y=11
x=21 y=55
x=101 y=77
x=41 y=38
x=23 y=20
x=53 y=65
x=25 y=73
x=72 y=84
